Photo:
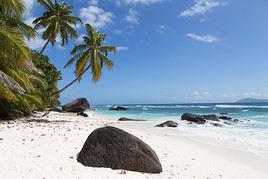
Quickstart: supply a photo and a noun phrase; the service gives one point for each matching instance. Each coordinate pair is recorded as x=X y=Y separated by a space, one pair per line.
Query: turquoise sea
x=252 y=130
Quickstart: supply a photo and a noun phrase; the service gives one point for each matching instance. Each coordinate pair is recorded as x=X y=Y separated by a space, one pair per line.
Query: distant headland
x=252 y=100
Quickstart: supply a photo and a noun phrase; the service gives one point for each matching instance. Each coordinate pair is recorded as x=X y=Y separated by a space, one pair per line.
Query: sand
x=47 y=149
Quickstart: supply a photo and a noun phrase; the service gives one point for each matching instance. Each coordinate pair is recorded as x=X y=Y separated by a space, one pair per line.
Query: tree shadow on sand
x=46 y=121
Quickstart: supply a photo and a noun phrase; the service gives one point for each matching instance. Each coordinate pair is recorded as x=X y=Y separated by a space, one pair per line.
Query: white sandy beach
x=48 y=149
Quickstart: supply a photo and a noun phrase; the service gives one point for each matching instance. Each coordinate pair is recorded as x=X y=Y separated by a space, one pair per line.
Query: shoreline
x=48 y=148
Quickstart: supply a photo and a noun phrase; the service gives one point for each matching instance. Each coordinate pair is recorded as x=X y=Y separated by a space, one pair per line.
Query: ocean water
x=251 y=131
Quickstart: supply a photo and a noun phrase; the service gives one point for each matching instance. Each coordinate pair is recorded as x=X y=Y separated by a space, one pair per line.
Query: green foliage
x=49 y=74
x=57 y=20
x=91 y=54
x=36 y=79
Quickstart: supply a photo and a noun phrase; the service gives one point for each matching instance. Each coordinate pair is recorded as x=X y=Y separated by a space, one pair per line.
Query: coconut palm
x=90 y=55
x=56 y=20
x=13 y=31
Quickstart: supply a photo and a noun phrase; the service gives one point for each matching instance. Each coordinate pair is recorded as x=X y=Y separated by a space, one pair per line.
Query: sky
x=169 y=51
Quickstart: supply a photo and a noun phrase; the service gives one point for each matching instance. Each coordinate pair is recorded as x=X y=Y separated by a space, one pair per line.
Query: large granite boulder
x=77 y=106
x=211 y=117
x=168 y=124
x=198 y=119
x=118 y=108
x=128 y=119
x=114 y=148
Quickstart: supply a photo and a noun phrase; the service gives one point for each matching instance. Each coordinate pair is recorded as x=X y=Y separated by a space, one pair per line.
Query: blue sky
x=171 y=51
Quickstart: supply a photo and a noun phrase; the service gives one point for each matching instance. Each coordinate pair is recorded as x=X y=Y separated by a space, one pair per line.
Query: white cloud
x=96 y=16
x=132 y=17
x=121 y=48
x=201 y=7
x=80 y=38
x=94 y=2
x=28 y=5
x=161 y=28
x=205 y=38
x=135 y=2
x=36 y=43
x=202 y=95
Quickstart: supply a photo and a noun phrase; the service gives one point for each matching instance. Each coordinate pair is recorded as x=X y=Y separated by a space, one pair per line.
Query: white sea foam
x=238 y=106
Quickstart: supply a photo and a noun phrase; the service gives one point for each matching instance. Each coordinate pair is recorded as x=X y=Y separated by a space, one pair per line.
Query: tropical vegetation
x=57 y=21
x=28 y=80
x=91 y=56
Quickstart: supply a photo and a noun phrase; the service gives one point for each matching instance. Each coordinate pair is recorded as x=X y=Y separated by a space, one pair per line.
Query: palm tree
x=56 y=20
x=13 y=31
x=90 y=55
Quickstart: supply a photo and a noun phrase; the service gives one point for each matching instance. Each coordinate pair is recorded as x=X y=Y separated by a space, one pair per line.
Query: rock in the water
x=76 y=106
x=211 y=117
x=168 y=124
x=198 y=119
x=224 y=113
x=82 y=114
x=114 y=148
x=216 y=124
x=128 y=119
x=225 y=118
x=236 y=120
x=228 y=123
x=118 y=108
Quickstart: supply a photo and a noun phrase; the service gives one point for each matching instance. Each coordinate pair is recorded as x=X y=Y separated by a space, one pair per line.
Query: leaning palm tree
x=90 y=55
x=56 y=20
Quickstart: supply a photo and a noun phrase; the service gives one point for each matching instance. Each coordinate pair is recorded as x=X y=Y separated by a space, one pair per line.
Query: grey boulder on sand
x=168 y=124
x=198 y=119
x=110 y=147
x=76 y=106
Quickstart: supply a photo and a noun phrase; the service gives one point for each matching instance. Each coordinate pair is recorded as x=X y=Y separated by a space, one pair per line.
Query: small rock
x=128 y=119
x=82 y=114
x=216 y=124
x=118 y=108
x=168 y=124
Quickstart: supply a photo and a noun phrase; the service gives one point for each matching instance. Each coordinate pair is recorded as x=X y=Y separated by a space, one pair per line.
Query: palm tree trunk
x=43 y=49
x=71 y=83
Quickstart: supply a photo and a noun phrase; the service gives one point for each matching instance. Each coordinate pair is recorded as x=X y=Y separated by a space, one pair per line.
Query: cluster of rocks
x=202 y=119
x=78 y=106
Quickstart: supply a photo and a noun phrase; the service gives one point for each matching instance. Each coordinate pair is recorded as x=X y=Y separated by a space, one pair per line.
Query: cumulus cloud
x=204 y=38
x=135 y=2
x=96 y=16
x=161 y=28
x=201 y=7
x=121 y=48
x=132 y=17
